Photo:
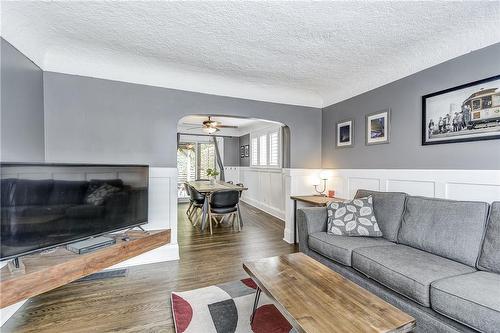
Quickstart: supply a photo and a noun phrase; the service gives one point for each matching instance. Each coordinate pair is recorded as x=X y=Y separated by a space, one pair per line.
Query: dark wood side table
x=313 y=200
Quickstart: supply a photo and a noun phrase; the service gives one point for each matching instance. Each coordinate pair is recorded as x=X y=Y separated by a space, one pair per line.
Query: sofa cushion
x=353 y=218
x=85 y=211
x=388 y=208
x=405 y=270
x=33 y=211
x=99 y=195
x=7 y=191
x=68 y=192
x=339 y=248
x=489 y=260
x=451 y=229
x=32 y=192
x=471 y=299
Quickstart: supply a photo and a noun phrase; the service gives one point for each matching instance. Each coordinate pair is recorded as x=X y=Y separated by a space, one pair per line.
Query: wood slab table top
x=316 y=200
x=316 y=299
x=205 y=186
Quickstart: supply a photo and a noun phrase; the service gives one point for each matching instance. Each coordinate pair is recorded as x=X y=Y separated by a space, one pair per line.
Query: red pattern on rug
x=249 y=283
x=182 y=311
x=269 y=320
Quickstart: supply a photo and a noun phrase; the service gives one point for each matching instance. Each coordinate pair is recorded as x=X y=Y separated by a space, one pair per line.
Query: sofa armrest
x=310 y=220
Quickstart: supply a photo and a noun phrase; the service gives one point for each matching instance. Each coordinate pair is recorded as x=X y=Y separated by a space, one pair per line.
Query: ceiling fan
x=209 y=126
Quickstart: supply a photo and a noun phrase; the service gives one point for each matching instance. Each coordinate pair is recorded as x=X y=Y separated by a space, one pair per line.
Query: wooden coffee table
x=316 y=299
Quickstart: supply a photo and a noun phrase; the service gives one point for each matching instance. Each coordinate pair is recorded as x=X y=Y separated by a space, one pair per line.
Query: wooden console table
x=44 y=272
x=313 y=200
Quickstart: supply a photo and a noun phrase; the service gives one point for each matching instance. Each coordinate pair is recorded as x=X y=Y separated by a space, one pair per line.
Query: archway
x=253 y=152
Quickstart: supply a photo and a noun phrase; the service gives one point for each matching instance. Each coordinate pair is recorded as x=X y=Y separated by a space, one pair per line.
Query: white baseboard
x=266 y=208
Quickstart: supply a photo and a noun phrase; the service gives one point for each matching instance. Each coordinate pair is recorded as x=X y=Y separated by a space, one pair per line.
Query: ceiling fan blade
x=190 y=124
x=227 y=126
x=191 y=128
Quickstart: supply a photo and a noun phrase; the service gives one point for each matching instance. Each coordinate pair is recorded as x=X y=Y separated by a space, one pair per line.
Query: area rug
x=226 y=308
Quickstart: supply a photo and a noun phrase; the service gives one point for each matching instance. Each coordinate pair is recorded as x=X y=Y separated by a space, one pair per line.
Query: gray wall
x=231 y=151
x=22 y=124
x=245 y=140
x=404 y=99
x=94 y=120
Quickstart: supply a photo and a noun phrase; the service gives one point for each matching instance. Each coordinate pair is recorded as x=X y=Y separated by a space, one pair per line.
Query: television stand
x=44 y=272
x=16 y=266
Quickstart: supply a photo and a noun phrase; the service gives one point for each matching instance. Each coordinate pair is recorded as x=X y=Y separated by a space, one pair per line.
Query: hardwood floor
x=140 y=302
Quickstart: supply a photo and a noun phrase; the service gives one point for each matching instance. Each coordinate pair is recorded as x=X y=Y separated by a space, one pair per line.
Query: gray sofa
x=439 y=260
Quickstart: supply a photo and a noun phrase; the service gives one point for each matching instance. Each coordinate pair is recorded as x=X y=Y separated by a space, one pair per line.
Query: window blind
x=263 y=150
x=254 y=149
x=273 y=148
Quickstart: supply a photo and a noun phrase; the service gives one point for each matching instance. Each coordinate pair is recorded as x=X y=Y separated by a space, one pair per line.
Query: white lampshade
x=323 y=174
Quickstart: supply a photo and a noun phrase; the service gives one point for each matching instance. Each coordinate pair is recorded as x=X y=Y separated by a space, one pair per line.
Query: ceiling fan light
x=209 y=130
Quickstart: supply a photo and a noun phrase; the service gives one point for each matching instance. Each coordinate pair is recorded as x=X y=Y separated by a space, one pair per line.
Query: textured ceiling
x=305 y=53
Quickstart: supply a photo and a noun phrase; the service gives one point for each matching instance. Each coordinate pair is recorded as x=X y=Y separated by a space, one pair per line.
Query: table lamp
x=322 y=177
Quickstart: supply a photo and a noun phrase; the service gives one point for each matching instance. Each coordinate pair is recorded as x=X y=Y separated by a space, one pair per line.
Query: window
x=273 y=149
x=255 y=151
x=263 y=150
x=206 y=159
x=266 y=148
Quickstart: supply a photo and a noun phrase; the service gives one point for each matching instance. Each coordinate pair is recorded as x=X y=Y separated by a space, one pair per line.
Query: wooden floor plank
x=140 y=302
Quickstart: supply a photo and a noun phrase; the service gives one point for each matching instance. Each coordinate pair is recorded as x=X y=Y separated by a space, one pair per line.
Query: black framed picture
x=242 y=151
x=469 y=112
x=247 y=150
x=345 y=133
x=378 y=127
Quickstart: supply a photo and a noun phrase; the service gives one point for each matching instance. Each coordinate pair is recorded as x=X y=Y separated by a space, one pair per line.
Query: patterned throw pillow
x=98 y=196
x=353 y=218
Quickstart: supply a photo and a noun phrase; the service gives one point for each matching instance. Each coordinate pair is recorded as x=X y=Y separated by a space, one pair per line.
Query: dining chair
x=224 y=203
x=240 y=185
x=198 y=200
x=187 y=188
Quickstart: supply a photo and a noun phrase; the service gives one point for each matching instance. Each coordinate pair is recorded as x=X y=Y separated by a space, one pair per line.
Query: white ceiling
x=304 y=53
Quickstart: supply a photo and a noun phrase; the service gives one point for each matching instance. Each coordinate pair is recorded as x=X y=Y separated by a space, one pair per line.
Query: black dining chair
x=198 y=200
x=224 y=204
x=187 y=188
x=240 y=185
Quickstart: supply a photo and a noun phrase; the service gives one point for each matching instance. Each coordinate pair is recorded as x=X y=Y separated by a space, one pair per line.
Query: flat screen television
x=48 y=205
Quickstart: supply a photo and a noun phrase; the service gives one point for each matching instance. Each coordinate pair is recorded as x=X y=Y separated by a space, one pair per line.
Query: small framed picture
x=378 y=127
x=247 y=150
x=242 y=151
x=345 y=133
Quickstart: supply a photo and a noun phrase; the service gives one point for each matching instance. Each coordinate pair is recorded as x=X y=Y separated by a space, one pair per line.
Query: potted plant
x=212 y=173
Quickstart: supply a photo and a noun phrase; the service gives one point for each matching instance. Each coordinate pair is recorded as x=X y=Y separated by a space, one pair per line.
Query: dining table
x=207 y=187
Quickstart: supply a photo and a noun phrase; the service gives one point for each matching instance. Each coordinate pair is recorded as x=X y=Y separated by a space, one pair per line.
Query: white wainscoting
x=264 y=186
x=475 y=185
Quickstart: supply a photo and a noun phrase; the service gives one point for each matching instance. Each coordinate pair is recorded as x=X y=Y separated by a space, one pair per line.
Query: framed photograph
x=345 y=133
x=247 y=150
x=469 y=112
x=242 y=151
x=378 y=127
